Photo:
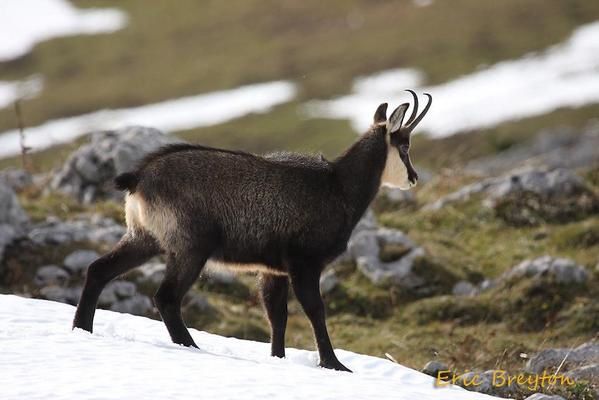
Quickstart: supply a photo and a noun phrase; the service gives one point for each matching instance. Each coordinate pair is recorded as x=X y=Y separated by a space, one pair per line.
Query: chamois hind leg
x=182 y=270
x=305 y=280
x=130 y=252
x=273 y=292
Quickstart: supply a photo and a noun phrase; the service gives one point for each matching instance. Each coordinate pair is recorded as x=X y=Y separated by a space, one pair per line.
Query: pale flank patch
x=214 y=265
x=160 y=221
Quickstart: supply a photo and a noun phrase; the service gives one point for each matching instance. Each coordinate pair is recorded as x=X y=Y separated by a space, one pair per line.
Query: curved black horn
x=413 y=124
x=415 y=109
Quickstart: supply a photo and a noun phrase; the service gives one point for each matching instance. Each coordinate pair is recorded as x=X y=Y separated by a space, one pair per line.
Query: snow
x=131 y=357
x=171 y=115
x=24 y=23
x=10 y=91
x=565 y=75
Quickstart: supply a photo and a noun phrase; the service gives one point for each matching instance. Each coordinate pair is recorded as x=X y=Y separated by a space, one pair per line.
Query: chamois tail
x=126 y=181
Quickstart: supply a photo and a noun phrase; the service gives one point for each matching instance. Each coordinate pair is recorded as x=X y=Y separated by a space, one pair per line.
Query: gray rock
x=13 y=220
x=214 y=272
x=124 y=289
x=78 y=261
x=464 y=288
x=554 y=148
x=69 y=295
x=152 y=273
x=542 y=396
x=476 y=382
x=365 y=248
x=550 y=359
x=50 y=275
x=433 y=368
x=482 y=382
x=139 y=304
x=82 y=229
x=199 y=304
x=397 y=196
x=543 y=182
x=107 y=297
x=328 y=281
x=563 y=270
x=586 y=373
x=115 y=291
x=17 y=179
x=89 y=171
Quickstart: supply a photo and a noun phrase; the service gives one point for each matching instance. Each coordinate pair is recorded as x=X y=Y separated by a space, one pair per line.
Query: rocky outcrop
x=561 y=270
x=389 y=257
x=543 y=182
x=88 y=172
x=17 y=179
x=63 y=284
x=13 y=220
x=552 y=148
x=570 y=359
x=86 y=228
x=530 y=196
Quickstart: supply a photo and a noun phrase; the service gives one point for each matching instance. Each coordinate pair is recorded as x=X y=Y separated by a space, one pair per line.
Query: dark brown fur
x=289 y=212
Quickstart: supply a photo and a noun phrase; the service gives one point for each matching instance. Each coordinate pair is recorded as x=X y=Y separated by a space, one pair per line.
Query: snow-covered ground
x=24 y=23
x=566 y=75
x=131 y=357
x=10 y=91
x=171 y=115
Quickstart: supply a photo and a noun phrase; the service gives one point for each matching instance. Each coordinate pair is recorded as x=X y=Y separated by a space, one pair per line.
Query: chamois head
x=399 y=171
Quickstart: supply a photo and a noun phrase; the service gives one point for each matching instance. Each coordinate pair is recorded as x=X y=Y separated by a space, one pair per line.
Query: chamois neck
x=360 y=169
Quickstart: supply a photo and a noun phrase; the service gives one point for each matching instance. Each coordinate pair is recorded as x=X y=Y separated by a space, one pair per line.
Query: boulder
x=17 y=179
x=588 y=373
x=78 y=261
x=69 y=295
x=50 y=275
x=138 y=304
x=553 y=148
x=433 y=368
x=482 y=382
x=328 y=281
x=13 y=220
x=562 y=270
x=530 y=196
x=550 y=359
x=88 y=172
x=543 y=396
x=151 y=273
x=94 y=229
x=197 y=303
x=464 y=288
x=365 y=249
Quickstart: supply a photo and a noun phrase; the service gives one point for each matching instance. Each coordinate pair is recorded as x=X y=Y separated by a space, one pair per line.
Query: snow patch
x=168 y=116
x=24 y=23
x=11 y=91
x=566 y=75
x=133 y=357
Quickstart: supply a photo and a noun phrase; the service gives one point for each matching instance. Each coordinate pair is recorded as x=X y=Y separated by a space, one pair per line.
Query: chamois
x=283 y=215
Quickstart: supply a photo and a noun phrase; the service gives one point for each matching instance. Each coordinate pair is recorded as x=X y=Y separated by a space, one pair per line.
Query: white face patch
x=395 y=174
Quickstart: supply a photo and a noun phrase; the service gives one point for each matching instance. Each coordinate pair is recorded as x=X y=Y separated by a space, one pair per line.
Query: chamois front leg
x=274 y=292
x=305 y=282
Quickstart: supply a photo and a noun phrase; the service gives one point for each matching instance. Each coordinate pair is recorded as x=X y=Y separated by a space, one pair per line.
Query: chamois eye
x=404 y=148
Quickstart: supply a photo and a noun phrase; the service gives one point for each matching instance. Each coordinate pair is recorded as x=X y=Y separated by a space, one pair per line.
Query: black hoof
x=336 y=365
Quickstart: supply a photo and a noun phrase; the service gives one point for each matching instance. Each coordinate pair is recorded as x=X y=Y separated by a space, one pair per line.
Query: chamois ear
x=380 y=115
x=396 y=118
